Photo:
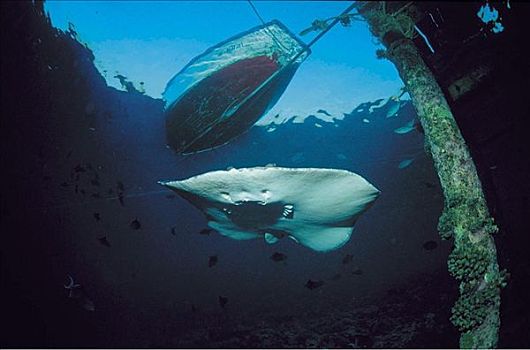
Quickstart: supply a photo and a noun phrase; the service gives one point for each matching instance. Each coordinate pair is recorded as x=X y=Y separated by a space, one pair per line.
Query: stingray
x=316 y=208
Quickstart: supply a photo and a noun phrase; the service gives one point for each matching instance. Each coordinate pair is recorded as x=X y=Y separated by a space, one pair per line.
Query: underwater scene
x=263 y=174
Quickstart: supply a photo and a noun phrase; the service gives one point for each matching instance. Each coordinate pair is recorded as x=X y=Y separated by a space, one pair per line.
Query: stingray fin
x=270 y=238
x=234 y=234
x=324 y=239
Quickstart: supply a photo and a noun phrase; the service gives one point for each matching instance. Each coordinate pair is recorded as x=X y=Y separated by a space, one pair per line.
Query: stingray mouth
x=257 y=214
x=243 y=202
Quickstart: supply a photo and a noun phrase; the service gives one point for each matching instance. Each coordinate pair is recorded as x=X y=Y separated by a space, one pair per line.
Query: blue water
x=154 y=288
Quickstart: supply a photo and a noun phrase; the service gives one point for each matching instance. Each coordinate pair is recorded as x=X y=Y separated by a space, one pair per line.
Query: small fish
x=357 y=272
x=83 y=192
x=212 y=260
x=76 y=188
x=94 y=182
x=110 y=191
x=97 y=216
x=429 y=184
x=430 y=245
x=277 y=257
x=406 y=128
x=205 y=231
x=347 y=259
x=68 y=154
x=135 y=224
x=174 y=231
x=324 y=112
x=87 y=304
x=310 y=284
x=79 y=169
x=120 y=198
x=393 y=108
x=193 y=308
x=223 y=301
x=405 y=163
x=366 y=121
x=104 y=241
x=96 y=195
x=64 y=184
x=119 y=186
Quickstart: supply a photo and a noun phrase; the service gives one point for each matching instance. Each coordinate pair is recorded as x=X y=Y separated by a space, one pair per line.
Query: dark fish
x=76 y=188
x=103 y=240
x=277 y=257
x=94 y=182
x=68 y=154
x=430 y=245
x=110 y=191
x=46 y=178
x=174 y=231
x=120 y=198
x=96 y=195
x=212 y=260
x=135 y=224
x=324 y=112
x=429 y=184
x=89 y=167
x=83 y=192
x=64 y=184
x=119 y=186
x=193 y=308
x=310 y=284
x=347 y=259
x=97 y=217
x=206 y=231
x=223 y=301
x=87 y=304
x=79 y=169
x=357 y=272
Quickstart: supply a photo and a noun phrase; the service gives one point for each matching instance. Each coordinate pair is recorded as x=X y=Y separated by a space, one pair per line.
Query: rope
x=256 y=11
x=335 y=21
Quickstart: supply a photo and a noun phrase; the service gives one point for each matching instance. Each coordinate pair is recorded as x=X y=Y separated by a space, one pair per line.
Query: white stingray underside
x=315 y=207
